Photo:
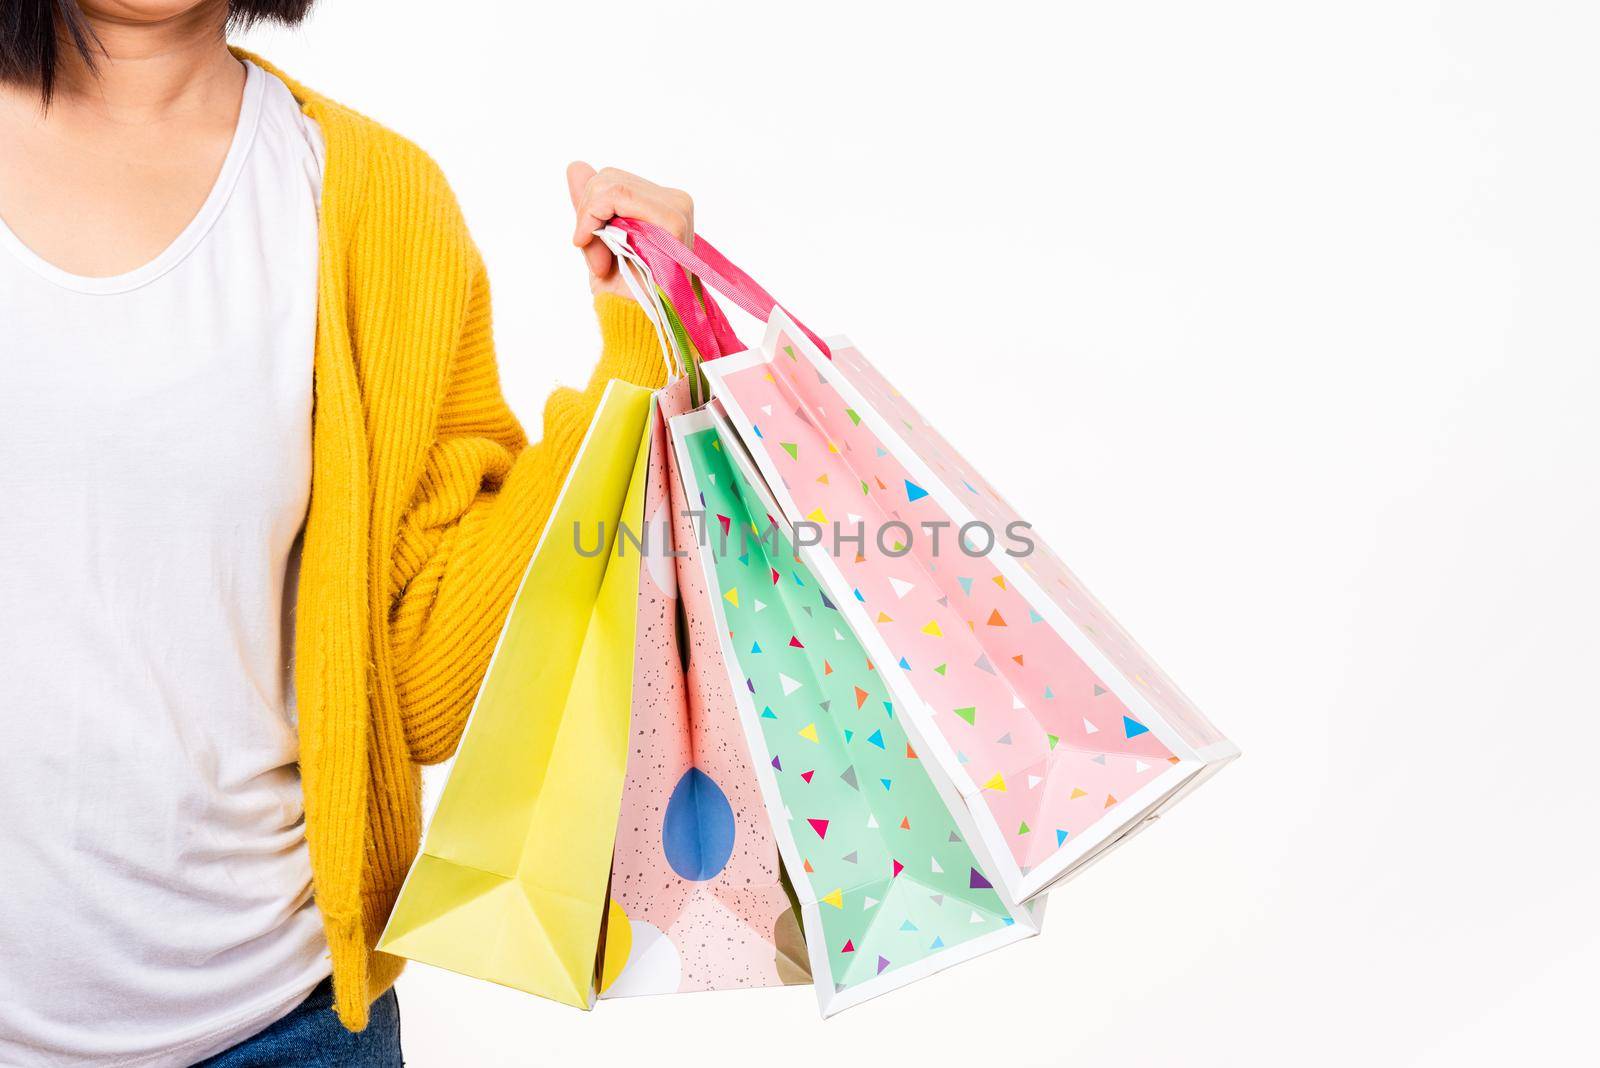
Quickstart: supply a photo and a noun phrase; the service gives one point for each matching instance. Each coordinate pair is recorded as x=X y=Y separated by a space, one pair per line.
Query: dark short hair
x=30 y=30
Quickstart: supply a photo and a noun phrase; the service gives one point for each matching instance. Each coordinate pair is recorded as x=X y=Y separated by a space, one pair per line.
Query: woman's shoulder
x=371 y=171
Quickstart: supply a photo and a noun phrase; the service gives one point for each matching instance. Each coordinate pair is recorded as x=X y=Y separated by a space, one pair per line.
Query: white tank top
x=155 y=469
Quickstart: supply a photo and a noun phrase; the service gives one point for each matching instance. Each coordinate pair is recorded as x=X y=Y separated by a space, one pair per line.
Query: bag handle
x=641 y=283
x=675 y=265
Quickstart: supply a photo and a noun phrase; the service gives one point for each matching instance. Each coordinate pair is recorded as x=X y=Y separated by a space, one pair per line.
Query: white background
x=1279 y=319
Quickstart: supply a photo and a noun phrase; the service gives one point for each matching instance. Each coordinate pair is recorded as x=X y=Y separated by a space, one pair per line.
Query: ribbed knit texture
x=426 y=503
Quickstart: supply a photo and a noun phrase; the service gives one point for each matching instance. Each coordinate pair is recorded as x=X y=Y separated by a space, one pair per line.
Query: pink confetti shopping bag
x=698 y=898
x=1053 y=735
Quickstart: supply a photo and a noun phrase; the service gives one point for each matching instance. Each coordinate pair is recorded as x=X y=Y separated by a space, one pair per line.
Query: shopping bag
x=510 y=884
x=698 y=895
x=699 y=898
x=1056 y=732
x=889 y=887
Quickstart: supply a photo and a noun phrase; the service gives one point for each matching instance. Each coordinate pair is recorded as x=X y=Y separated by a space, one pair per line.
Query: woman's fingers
x=610 y=192
x=606 y=194
x=599 y=196
x=580 y=179
x=578 y=175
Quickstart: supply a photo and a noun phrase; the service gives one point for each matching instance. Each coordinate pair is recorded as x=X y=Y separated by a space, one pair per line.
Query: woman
x=262 y=512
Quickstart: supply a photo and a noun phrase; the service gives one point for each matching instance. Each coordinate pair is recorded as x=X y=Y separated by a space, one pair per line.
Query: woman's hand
x=599 y=195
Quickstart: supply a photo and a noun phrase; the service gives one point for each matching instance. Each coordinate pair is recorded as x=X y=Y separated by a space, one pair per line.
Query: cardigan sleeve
x=481 y=504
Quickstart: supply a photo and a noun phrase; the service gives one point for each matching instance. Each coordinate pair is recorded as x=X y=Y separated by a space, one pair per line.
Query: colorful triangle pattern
x=901 y=884
x=1032 y=723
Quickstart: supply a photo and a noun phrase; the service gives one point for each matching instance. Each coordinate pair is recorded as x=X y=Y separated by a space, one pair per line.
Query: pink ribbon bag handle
x=674 y=264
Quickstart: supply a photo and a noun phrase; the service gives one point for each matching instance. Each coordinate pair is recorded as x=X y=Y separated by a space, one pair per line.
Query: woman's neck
x=129 y=148
x=148 y=71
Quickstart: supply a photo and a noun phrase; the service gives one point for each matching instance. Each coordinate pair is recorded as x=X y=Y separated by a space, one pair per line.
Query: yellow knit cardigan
x=426 y=502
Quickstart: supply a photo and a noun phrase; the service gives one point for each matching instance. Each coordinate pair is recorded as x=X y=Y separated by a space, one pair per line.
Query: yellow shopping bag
x=510 y=885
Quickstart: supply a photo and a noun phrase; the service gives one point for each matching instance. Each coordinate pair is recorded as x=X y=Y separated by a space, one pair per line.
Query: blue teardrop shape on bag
x=697 y=831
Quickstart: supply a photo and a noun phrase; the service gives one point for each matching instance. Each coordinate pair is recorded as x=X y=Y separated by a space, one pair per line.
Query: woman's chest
x=192 y=393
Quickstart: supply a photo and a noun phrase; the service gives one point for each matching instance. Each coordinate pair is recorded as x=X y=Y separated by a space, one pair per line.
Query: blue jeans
x=311 y=1036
